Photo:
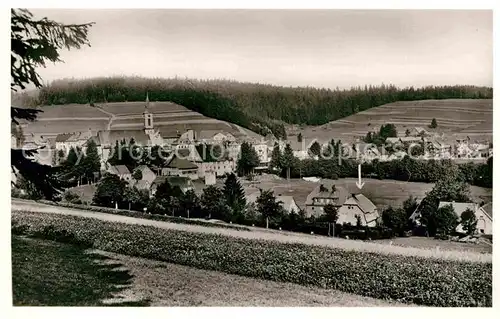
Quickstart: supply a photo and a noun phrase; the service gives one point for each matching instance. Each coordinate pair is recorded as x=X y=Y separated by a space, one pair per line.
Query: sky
x=320 y=48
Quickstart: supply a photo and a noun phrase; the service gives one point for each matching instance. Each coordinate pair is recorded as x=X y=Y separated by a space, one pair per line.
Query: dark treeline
x=259 y=107
x=407 y=169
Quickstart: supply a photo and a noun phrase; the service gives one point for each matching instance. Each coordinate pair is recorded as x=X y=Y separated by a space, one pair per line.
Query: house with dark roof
x=121 y=171
x=358 y=205
x=180 y=167
x=146 y=173
x=184 y=183
x=322 y=195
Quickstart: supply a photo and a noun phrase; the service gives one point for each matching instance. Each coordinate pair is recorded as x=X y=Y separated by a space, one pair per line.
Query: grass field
x=455 y=118
x=45 y=273
x=168 y=118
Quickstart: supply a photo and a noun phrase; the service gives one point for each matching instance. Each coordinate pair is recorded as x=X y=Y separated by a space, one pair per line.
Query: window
x=482 y=231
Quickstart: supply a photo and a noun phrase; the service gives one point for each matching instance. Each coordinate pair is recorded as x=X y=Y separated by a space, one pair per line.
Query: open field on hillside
x=455 y=118
x=52 y=128
x=168 y=118
x=130 y=108
x=382 y=192
x=71 y=110
x=434 y=281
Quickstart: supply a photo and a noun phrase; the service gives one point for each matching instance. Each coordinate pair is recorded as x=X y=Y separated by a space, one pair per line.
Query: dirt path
x=280 y=236
x=112 y=117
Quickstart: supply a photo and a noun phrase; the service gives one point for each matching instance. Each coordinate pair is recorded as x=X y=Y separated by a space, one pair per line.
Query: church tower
x=148 y=118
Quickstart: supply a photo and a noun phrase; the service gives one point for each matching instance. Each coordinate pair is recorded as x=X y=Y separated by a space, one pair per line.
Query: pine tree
x=234 y=194
x=33 y=43
x=92 y=161
x=299 y=138
x=315 y=149
x=276 y=157
x=433 y=123
x=288 y=160
x=248 y=159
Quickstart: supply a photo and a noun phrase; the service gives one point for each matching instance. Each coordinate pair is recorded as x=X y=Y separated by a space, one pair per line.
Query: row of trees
x=258 y=107
x=406 y=169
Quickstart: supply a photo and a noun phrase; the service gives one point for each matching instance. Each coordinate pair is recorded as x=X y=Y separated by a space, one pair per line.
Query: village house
x=233 y=150
x=261 y=149
x=121 y=171
x=184 y=183
x=322 y=195
x=483 y=215
x=72 y=140
x=366 y=152
x=439 y=149
x=215 y=137
x=358 y=205
x=287 y=202
x=348 y=205
x=147 y=177
x=180 y=167
x=219 y=168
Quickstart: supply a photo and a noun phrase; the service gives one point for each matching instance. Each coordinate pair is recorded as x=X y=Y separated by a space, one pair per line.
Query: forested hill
x=255 y=106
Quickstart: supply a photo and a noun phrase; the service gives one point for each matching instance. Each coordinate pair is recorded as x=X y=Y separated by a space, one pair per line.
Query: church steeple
x=148 y=117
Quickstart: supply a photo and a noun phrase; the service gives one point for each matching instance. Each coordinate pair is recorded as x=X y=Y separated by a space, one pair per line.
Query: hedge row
x=131 y=213
x=416 y=280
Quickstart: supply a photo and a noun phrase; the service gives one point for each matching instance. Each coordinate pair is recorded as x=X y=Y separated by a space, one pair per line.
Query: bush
x=130 y=213
x=409 y=279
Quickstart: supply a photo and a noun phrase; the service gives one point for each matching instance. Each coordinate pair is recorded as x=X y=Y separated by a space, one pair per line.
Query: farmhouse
x=483 y=215
x=121 y=171
x=219 y=168
x=215 y=137
x=287 y=202
x=358 y=205
x=323 y=195
x=180 y=167
x=184 y=183
x=410 y=139
x=66 y=141
x=148 y=177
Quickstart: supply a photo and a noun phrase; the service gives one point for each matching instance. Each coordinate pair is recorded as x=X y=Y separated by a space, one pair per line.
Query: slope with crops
x=408 y=279
x=259 y=107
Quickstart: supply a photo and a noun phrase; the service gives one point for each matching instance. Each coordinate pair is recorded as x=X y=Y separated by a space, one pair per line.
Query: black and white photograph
x=251 y=157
